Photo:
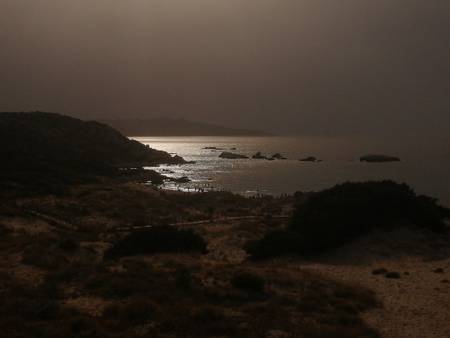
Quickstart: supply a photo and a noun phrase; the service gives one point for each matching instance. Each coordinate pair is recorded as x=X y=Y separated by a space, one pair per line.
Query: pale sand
x=416 y=305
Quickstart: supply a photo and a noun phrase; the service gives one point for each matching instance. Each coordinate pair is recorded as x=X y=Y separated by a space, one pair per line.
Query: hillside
x=44 y=146
x=176 y=127
x=70 y=269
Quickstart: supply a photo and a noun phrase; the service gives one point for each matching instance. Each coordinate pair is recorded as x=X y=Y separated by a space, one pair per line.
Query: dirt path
x=208 y=221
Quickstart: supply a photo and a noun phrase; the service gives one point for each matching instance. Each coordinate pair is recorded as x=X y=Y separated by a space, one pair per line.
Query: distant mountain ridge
x=176 y=127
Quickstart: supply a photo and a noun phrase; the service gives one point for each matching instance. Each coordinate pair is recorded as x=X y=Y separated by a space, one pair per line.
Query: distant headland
x=176 y=127
x=41 y=151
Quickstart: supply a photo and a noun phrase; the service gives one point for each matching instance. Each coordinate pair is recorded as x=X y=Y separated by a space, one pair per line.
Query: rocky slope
x=48 y=147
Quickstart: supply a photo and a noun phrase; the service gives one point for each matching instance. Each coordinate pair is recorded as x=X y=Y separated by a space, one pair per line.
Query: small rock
x=260 y=156
x=378 y=158
x=309 y=159
x=439 y=270
x=278 y=156
x=231 y=156
x=183 y=179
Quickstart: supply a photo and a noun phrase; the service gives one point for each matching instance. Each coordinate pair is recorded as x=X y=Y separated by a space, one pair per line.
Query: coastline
x=340 y=161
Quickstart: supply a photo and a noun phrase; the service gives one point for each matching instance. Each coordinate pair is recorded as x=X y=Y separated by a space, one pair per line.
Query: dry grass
x=164 y=295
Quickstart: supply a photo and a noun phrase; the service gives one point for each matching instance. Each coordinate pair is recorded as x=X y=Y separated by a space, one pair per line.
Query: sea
x=423 y=166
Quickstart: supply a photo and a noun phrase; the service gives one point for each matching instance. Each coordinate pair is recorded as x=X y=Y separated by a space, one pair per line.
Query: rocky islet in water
x=378 y=158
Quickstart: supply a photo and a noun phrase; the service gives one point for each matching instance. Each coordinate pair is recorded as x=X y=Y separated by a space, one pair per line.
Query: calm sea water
x=425 y=167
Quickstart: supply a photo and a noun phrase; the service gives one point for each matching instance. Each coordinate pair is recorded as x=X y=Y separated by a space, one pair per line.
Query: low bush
x=198 y=320
x=43 y=255
x=124 y=315
x=68 y=245
x=380 y=271
x=158 y=240
x=30 y=311
x=248 y=281
x=4 y=231
x=183 y=279
x=392 y=275
x=119 y=285
x=276 y=243
x=335 y=216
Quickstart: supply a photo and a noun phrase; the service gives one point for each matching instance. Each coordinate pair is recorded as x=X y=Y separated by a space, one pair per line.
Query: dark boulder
x=232 y=156
x=378 y=158
x=183 y=179
x=309 y=159
x=212 y=148
x=259 y=156
x=278 y=156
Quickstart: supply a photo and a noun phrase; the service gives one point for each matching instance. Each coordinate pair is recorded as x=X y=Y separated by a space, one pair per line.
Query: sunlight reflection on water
x=424 y=170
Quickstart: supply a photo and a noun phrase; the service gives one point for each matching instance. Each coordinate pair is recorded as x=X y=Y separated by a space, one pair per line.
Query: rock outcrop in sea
x=278 y=156
x=309 y=159
x=259 y=156
x=378 y=158
x=232 y=156
x=212 y=148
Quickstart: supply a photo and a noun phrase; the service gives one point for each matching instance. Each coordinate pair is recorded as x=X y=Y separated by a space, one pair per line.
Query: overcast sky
x=303 y=66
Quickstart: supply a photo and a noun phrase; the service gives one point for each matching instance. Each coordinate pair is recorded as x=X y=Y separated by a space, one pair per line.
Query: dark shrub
x=129 y=314
x=212 y=322
x=200 y=321
x=248 y=281
x=118 y=285
x=334 y=216
x=276 y=243
x=68 y=245
x=392 y=275
x=380 y=271
x=42 y=255
x=37 y=308
x=337 y=215
x=158 y=239
x=183 y=279
x=72 y=271
x=4 y=230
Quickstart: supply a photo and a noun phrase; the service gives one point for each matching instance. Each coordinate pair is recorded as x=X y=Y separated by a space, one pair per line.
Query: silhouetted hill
x=46 y=147
x=176 y=127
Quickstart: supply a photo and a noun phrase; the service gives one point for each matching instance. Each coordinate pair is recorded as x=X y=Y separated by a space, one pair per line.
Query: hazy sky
x=305 y=66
